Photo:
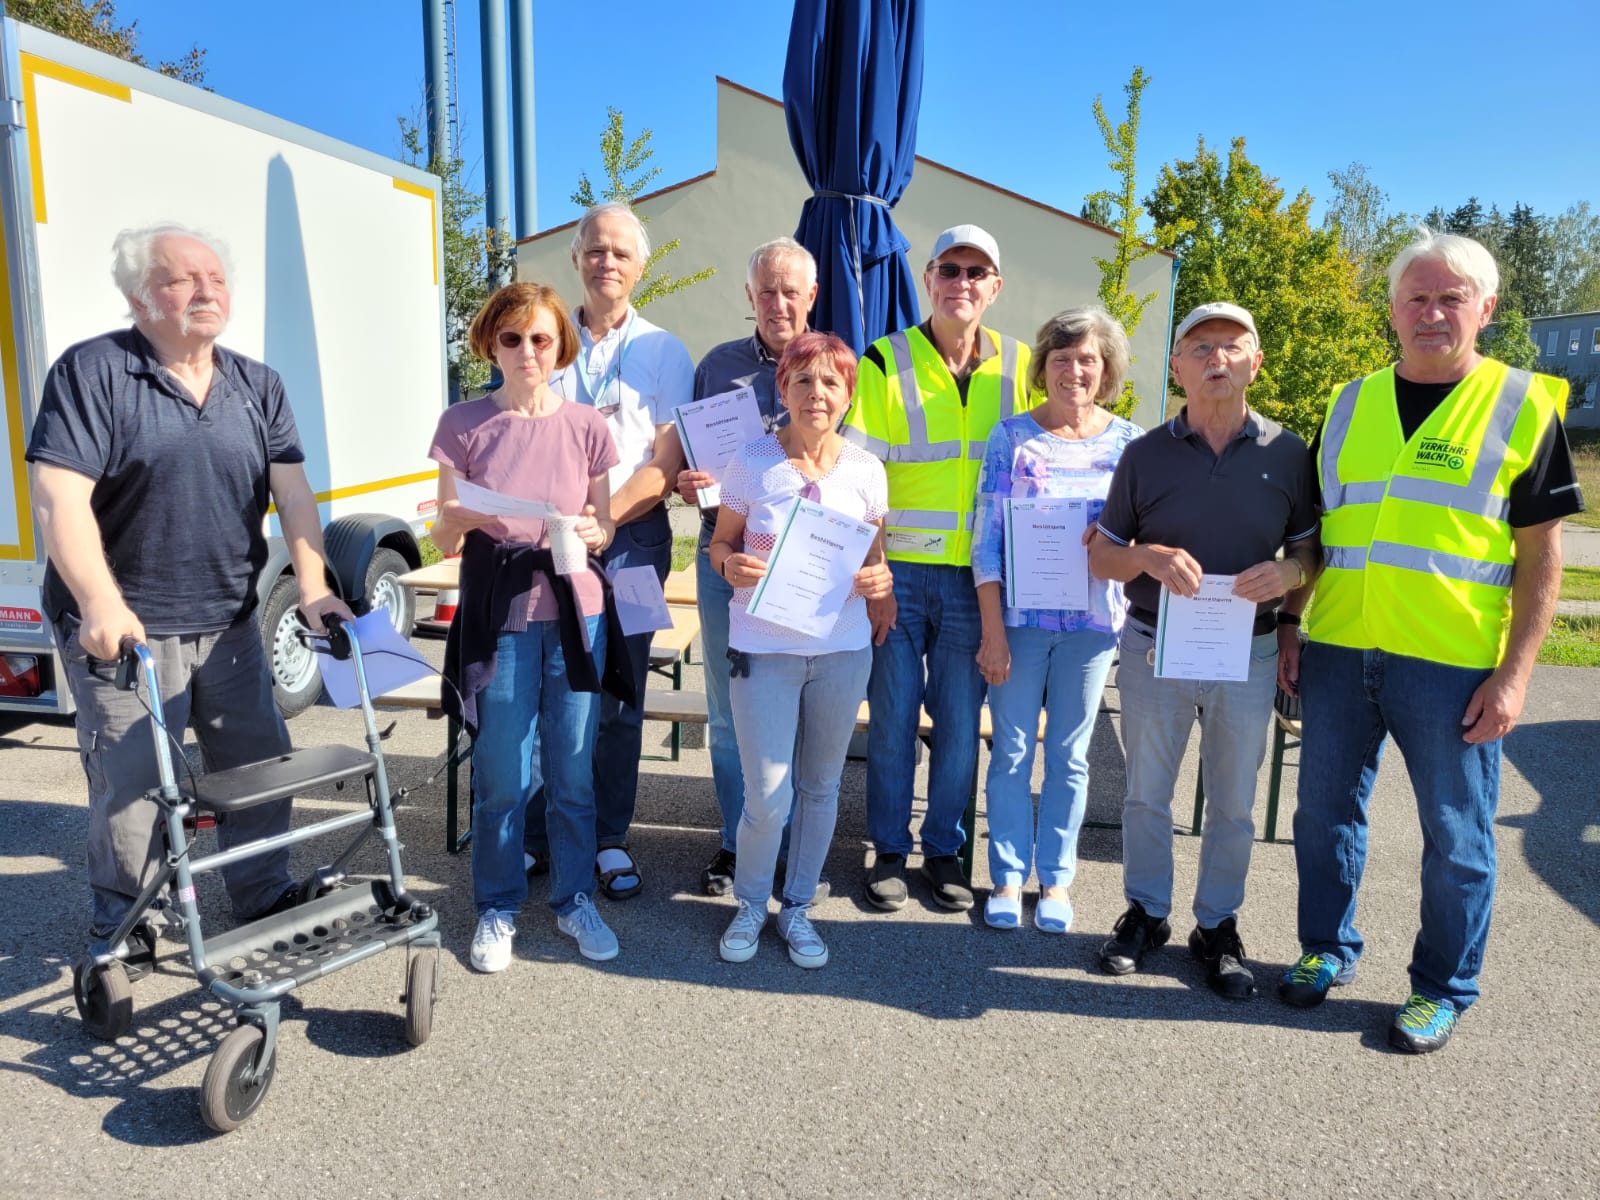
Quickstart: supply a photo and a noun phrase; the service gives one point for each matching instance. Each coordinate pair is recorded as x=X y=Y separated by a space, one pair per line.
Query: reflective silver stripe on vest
x=1344 y=558
x=910 y=396
x=1436 y=562
x=922 y=518
x=1334 y=432
x=1476 y=496
x=1010 y=351
x=925 y=452
x=876 y=447
x=1450 y=495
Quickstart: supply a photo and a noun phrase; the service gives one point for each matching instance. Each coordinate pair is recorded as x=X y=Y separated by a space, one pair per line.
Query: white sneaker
x=491 y=943
x=743 y=934
x=806 y=948
x=595 y=939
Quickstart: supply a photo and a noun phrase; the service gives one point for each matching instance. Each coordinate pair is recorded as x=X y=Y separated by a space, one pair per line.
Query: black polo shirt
x=1229 y=511
x=181 y=489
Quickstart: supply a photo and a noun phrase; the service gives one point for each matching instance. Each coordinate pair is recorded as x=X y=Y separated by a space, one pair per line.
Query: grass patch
x=1580 y=583
x=683 y=552
x=1572 y=642
x=430 y=552
x=1585 y=445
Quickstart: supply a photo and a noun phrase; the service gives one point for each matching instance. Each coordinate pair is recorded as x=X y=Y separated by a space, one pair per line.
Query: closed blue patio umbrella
x=852 y=85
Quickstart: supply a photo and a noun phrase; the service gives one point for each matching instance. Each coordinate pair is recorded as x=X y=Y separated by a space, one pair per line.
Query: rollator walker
x=335 y=925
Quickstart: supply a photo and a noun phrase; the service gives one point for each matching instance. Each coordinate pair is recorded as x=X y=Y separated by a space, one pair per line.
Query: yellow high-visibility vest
x=1417 y=544
x=910 y=415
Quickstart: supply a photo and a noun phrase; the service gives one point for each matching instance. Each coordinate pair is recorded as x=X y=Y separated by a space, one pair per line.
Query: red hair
x=811 y=346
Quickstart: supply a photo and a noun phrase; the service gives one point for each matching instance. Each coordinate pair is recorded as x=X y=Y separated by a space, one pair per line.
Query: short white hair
x=1466 y=258
x=611 y=208
x=131 y=251
x=780 y=247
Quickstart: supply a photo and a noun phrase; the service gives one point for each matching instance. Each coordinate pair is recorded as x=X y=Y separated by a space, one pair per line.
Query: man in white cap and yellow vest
x=925 y=401
x=1444 y=481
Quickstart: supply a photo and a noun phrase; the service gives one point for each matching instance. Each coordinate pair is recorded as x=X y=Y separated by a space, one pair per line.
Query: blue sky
x=1491 y=104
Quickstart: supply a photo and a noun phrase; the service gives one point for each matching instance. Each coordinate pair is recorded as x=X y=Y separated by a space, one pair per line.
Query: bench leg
x=1199 y=799
x=1275 y=779
x=970 y=821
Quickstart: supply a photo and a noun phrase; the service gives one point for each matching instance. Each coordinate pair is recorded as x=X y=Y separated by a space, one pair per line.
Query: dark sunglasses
x=511 y=340
x=955 y=271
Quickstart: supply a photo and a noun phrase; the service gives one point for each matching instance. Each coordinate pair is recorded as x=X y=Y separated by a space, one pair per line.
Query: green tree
x=94 y=24
x=1240 y=240
x=469 y=250
x=626 y=176
x=1120 y=211
x=1509 y=339
x=1526 y=257
x=1575 y=260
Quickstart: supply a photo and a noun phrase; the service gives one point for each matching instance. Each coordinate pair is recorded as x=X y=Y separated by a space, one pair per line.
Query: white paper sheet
x=715 y=429
x=641 y=604
x=498 y=504
x=1205 y=636
x=812 y=569
x=390 y=661
x=1047 y=564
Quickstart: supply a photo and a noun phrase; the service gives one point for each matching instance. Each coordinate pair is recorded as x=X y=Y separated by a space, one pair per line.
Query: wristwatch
x=1287 y=618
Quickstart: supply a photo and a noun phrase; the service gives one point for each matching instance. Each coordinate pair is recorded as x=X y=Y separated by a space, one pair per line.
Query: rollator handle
x=127 y=663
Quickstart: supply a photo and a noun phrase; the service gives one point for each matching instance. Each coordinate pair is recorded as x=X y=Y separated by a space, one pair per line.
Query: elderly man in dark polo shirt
x=781 y=285
x=1217 y=490
x=155 y=455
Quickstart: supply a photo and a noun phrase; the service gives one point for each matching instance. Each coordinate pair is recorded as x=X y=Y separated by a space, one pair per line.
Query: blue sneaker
x=1307 y=983
x=1422 y=1026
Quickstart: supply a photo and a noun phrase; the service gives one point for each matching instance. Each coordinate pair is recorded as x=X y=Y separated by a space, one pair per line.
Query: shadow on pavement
x=1560 y=760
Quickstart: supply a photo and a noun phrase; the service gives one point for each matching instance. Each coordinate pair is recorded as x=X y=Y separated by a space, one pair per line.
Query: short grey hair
x=131 y=251
x=1466 y=258
x=1071 y=328
x=611 y=208
x=781 y=247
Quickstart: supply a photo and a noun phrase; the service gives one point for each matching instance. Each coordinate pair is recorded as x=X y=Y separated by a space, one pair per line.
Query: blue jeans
x=1157 y=716
x=528 y=702
x=1064 y=674
x=1350 y=700
x=714 y=595
x=646 y=542
x=938 y=630
x=795 y=715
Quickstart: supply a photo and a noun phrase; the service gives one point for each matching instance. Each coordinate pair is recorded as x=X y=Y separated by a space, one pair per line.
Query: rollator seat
x=281 y=777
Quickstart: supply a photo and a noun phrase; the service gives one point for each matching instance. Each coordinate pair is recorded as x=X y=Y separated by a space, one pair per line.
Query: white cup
x=566 y=547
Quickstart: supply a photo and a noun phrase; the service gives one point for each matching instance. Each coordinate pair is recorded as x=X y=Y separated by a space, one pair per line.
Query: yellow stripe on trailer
x=427 y=193
x=361 y=489
x=33 y=66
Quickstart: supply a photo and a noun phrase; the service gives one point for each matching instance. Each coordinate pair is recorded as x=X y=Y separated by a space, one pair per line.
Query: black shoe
x=535 y=864
x=289 y=898
x=1134 y=933
x=886 y=882
x=1223 y=954
x=717 y=878
x=824 y=884
x=137 y=952
x=950 y=888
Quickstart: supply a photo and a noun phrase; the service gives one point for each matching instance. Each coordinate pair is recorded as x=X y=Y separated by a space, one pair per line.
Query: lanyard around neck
x=595 y=397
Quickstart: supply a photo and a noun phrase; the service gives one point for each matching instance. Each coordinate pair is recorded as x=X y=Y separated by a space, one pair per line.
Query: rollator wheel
x=419 y=999
x=105 y=999
x=234 y=1085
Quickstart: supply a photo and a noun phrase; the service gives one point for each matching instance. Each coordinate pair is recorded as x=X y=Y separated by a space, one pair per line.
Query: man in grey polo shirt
x=155 y=455
x=1217 y=490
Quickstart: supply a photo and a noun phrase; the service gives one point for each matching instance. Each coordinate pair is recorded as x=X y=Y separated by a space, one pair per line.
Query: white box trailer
x=337 y=284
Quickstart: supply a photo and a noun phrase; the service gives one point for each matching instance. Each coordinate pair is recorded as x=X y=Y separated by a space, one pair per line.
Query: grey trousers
x=217 y=683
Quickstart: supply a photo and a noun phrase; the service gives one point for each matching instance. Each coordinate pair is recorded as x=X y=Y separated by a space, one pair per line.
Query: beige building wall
x=755 y=194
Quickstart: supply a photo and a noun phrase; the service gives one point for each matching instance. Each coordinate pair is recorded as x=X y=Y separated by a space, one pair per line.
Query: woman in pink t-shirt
x=795 y=694
x=522 y=623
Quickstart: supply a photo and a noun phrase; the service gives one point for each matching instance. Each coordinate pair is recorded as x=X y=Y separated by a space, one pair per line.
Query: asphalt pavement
x=930 y=1057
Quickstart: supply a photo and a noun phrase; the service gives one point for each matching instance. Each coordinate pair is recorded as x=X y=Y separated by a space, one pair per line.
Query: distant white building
x=755 y=192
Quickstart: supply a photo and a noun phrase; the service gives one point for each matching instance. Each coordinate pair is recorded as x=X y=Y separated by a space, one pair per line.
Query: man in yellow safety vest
x=925 y=401
x=1444 y=480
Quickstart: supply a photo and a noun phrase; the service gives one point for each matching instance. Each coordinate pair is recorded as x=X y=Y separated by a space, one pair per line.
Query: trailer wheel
x=104 y=997
x=296 y=682
x=419 y=998
x=384 y=590
x=235 y=1084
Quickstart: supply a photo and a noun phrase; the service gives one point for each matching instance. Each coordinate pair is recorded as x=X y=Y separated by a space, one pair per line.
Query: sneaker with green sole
x=1422 y=1026
x=1307 y=983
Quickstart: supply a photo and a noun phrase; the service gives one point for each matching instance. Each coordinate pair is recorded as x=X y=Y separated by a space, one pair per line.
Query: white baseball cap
x=966 y=235
x=1217 y=310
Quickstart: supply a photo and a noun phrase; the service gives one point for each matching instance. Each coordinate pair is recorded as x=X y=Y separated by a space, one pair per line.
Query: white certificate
x=1047 y=564
x=641 y=604
x=498 y=504
x=713 y=430
x=811 y=569
x=1205 y=636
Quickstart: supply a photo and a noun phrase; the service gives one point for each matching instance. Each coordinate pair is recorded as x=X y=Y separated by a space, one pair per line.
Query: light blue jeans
x=929 y=659
x=794 y=715
x=1157 y=715
x=1064 y=674
x=528 y=702
x=1351 y=701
